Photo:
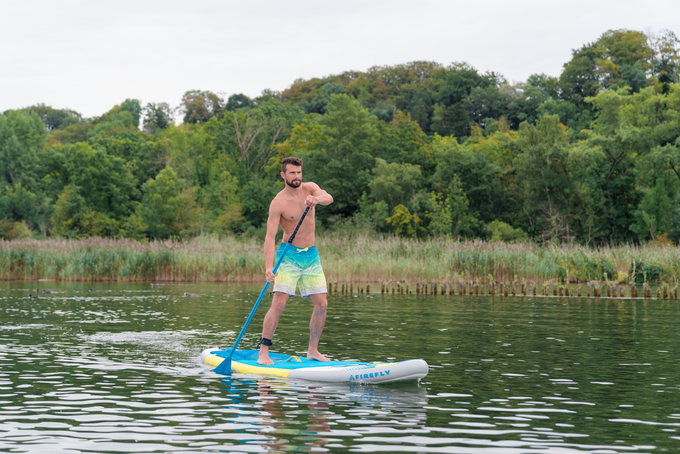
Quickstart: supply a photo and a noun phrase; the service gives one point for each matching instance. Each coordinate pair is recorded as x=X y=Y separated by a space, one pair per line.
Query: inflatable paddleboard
x=293 y=367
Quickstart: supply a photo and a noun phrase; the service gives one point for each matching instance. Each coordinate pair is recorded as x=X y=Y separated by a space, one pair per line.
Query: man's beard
x=294 y=184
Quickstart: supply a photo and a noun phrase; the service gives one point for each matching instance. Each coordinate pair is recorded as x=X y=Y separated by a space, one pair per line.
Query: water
x=118 y=371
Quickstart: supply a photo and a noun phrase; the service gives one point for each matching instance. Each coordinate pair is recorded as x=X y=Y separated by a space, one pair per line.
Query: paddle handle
x=292 y=236
x=226 y=363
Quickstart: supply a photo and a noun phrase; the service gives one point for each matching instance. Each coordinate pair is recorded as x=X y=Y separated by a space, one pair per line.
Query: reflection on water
x=119 y=371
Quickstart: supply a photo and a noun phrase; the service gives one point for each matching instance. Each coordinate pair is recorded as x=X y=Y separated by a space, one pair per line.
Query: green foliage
x=169 y=207
x=441 y=219
x=372 y=214
x=134 y=106
x=157 y=116
x=646 y=271
x=200 y=106
x=12 y=230
x=55 y=118
x=591 y=156
x=341 y=147
x=500 y=231
x=73 y=219
x=393 y=183
x=22 y=135
x=322 y=97
x=238 y=101
x=401 y=220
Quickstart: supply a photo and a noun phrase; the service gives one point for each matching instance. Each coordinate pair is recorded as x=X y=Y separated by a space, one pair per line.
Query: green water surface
x=118 y=371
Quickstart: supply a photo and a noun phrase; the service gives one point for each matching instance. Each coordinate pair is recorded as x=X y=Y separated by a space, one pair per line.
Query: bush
x=500 y=231
x=646 y=270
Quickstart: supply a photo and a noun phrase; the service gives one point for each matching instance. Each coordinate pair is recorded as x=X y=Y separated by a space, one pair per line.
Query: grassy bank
x=358 y=258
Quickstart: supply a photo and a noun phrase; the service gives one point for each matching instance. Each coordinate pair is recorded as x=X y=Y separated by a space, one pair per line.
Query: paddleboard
x=293 y=367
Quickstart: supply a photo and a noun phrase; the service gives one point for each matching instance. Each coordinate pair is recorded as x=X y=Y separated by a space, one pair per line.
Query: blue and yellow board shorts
x=302 y=267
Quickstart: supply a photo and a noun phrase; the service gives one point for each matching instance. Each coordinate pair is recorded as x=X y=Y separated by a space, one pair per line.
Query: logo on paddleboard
x=382 y=373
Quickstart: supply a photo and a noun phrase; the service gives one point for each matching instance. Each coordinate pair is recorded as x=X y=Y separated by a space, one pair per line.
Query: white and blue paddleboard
x=293 y=367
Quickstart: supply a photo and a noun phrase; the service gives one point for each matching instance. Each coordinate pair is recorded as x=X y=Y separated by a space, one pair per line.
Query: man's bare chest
x=292 y=212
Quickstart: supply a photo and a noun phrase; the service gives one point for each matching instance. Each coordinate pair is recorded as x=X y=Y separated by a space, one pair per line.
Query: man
x=301 y=264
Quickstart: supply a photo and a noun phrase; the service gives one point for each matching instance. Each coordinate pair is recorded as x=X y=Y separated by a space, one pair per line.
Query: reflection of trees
x=284 y=405
x=273 y=401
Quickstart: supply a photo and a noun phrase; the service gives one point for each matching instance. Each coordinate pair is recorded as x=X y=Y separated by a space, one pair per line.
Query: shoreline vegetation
x=348 y=258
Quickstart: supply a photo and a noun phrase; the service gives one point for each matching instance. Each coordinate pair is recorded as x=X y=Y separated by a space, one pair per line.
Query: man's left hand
x=311 y=201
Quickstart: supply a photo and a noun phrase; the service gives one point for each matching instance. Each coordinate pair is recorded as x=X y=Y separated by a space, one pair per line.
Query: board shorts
x=301 y=267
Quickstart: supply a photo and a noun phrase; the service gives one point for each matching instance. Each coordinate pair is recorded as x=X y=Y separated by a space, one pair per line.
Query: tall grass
x=345 y=256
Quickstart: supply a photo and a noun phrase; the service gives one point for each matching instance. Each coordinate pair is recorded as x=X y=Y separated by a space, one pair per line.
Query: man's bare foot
x=265 y=361
x=316 y=356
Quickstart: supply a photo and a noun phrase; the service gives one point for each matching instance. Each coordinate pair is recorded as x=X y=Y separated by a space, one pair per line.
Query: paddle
x=224 y=367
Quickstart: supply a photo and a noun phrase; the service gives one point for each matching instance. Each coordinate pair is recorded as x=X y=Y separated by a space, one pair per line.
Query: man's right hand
x=269 y=275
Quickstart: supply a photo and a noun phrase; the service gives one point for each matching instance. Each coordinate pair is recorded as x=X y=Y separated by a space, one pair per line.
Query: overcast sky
x=90 y=55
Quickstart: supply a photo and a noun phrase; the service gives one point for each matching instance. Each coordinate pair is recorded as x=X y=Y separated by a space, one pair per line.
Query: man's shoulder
x=310 y=186
x=277 y=201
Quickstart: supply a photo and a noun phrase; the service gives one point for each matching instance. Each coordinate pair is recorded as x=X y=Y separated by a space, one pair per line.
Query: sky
x=91 y=55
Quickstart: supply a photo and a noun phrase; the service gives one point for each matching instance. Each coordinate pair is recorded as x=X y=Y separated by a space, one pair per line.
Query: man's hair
x=292 y=161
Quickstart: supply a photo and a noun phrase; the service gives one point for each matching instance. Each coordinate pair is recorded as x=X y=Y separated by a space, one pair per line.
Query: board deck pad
x=281 y=361
x=287 y=366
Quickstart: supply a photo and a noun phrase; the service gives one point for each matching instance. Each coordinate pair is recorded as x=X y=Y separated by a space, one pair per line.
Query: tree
x=134 y=106
x=655 y=211
x=22 y=135
x=254 y=135
x=619 y=48
x=200 y=106
x=342 y=157
x=401 y=221
x=322 y=97
x=579 y=79
x=238 y=101
x=420 y=108
x=440 y=216
x=403 y=141
x=393 y=183
x=20 y=205
x=104 y=182
x=136 y=149
x=453 y=120
x=474 y=173
x=545 y=171
x=665 y=57
x=157 y=116
x=384 y=111
x=454 y=83
x=169 y=207
x=73 y=219
x=462 y=221
x=55 y=118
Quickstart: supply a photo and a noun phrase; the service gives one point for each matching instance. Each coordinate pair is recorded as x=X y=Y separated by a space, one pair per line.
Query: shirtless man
x=301 y=264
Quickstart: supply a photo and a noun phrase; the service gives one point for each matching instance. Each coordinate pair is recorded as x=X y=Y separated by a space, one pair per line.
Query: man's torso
x=291 y=209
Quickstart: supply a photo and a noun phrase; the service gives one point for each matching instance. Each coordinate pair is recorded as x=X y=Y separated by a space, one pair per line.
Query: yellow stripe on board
x=214 y=360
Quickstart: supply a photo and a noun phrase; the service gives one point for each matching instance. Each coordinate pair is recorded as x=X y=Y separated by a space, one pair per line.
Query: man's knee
x=279 y=301
x=319 y=301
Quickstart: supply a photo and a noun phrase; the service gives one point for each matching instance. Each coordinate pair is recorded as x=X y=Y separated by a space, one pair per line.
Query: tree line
x=418 y=149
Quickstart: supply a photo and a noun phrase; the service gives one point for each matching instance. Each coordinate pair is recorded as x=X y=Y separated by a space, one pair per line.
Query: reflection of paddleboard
x=245 y=362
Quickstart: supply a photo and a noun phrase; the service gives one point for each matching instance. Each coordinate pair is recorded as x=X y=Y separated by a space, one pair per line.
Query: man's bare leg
x=316 y=325
x=271 y=321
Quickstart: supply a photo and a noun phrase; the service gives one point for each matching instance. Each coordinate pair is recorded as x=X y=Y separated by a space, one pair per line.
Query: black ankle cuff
x=267 y=342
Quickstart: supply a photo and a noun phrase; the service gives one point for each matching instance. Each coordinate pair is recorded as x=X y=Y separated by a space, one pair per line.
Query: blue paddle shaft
x=225 y=366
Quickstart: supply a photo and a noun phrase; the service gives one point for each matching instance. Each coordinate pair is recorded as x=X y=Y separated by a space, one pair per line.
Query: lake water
x=118 y=371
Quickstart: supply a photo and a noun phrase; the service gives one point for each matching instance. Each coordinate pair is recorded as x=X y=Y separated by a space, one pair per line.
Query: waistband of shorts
x=294 y=249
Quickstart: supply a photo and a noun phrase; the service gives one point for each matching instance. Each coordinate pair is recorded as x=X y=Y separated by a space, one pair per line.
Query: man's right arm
x=270 y=240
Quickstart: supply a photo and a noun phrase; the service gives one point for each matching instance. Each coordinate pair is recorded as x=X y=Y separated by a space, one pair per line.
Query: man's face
x=292 y=176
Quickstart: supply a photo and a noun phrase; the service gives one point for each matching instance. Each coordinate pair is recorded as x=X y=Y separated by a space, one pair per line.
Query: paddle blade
x=224 y=368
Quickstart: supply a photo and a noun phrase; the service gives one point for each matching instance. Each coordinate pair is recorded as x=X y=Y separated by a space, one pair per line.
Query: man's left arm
x=318 y=196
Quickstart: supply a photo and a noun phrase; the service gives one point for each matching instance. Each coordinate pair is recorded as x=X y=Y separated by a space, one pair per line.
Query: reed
x=347 y=258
